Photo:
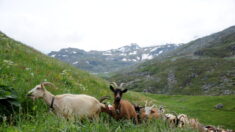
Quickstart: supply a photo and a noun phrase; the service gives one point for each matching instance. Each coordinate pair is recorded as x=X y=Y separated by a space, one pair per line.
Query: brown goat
x=123 y=108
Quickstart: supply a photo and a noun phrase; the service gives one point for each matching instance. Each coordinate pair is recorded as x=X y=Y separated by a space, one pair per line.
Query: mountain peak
x=130 y=47
x=134 y=45
x=110 y=60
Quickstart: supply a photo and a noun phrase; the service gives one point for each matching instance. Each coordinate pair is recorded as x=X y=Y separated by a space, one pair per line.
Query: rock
x=171 y=79
x=227 y=92
x=219 y=106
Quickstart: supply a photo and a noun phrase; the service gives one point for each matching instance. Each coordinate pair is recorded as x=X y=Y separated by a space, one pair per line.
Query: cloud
x=100 y=25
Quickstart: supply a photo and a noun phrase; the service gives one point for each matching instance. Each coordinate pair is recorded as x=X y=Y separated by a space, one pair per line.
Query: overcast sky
x=50 y=25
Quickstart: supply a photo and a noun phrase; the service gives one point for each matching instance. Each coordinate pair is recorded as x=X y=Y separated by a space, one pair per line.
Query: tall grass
x=48 y=122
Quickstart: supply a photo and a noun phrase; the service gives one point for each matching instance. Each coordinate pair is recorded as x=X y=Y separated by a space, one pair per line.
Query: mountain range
x=110 y=60
x=205 y=66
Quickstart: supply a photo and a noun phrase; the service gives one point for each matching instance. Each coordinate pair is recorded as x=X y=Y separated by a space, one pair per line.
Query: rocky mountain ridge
x=110 y=60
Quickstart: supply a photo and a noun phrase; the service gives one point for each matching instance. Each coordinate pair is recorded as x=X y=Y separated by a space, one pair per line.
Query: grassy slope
x=201 y=107
x=22 y=68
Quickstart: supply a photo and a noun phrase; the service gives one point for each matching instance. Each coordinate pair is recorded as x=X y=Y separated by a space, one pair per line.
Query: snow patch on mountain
x=146 y=57
x=76 y=62
x=154 y=49
x=124 y=59
x=133 y=53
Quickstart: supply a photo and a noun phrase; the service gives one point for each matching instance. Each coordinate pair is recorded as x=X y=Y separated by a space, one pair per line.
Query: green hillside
x=23 y=67
x=205 y=66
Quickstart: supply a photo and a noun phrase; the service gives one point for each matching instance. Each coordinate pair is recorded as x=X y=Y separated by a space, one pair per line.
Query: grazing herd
x=80 y=106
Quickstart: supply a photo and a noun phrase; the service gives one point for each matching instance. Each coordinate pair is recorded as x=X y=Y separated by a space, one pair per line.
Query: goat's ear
x=152 y=111
x=125 y=90
x=111 y=88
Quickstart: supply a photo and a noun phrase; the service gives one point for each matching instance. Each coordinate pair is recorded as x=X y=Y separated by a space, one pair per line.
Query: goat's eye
x=38 y=88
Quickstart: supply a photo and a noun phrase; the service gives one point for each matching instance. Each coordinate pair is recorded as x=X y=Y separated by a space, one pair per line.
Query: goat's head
x=149 y=110
x=161 y=109
x=171 y=118
x=38 y=91
x=182 y=120
x=117 y=91
x=138 y=108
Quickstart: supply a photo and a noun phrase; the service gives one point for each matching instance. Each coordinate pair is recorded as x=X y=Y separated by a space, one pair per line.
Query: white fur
x=148 y=110
x=69 y=106
x=183 y=120
x=171 y=119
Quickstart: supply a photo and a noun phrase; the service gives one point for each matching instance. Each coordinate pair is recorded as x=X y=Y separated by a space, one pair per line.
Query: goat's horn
x=153 y=106
x=146 y=103
x=121 y=85
x=114 y=83
x=48 y=83
x=104 y=98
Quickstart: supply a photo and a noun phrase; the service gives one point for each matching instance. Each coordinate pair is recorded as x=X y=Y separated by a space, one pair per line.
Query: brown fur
x=125 y=110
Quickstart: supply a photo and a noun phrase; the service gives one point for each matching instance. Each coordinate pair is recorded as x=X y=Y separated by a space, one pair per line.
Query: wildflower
x=32 y=74
x=9 y=62
x=27 y=69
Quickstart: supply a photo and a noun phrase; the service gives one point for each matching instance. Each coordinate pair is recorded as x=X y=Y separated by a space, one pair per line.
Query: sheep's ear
x=111 y=88
x=125 y=90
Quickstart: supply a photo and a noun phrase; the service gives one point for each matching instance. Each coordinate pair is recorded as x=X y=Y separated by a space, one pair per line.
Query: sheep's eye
x=38 y=88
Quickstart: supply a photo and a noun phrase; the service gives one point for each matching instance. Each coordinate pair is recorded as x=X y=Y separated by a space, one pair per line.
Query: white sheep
x=69 y=106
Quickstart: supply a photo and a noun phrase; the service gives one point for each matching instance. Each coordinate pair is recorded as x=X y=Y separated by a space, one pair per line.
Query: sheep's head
x=117 y=91
x=38 y=91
